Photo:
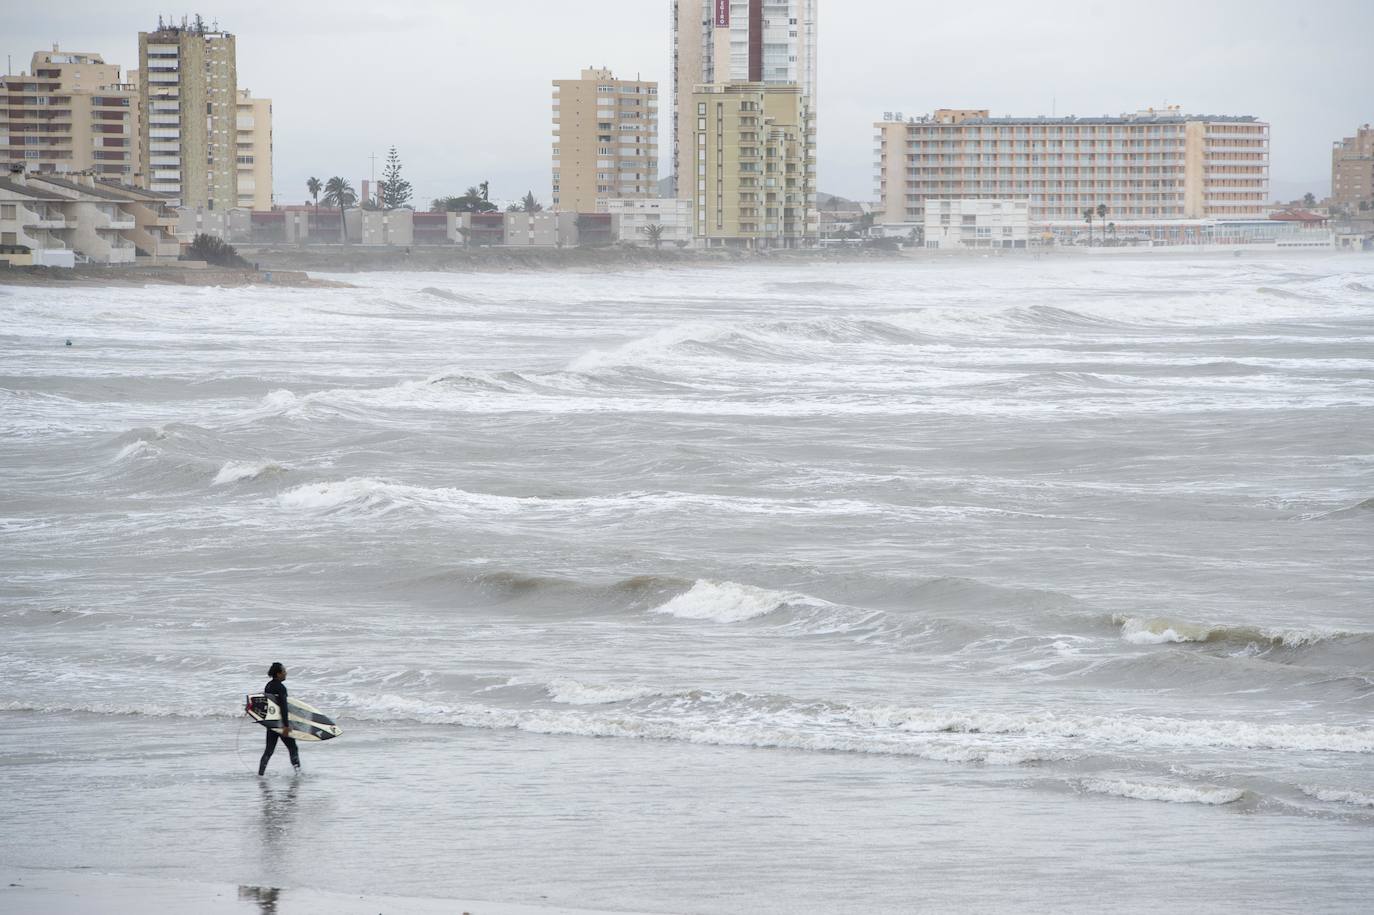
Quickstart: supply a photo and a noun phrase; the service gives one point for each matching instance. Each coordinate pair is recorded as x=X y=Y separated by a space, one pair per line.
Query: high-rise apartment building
x=605 y=142
x=753 y=170
x=253 y=151
x=1149 y=166
x=188 y=87
x=1352 y=170
x=721 y=41
x=70 y=112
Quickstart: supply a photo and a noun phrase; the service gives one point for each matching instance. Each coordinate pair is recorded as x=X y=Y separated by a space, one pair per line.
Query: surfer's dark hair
x=275 y=669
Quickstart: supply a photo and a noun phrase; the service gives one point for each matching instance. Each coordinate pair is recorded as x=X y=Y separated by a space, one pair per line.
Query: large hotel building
x=723 y=41
x=605 y=143
x=70 y=112
x=188 y=87
x=1160 y=167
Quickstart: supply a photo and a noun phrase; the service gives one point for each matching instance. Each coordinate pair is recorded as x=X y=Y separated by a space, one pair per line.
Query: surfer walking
x=276 y=688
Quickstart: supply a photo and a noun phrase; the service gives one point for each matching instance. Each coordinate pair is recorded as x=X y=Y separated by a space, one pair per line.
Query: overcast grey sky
x=462 y=87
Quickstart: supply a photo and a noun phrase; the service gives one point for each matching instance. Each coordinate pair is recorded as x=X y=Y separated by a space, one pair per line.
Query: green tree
x=1088 y=217
x=1309 y=199
x=529 y=205
x=473 y=200
x=395 y=189
x=214 y=251
x=313 y=186
x=655 y=234
x=339 y=193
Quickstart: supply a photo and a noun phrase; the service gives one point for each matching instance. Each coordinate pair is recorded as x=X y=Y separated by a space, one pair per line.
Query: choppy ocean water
x=1001 y=585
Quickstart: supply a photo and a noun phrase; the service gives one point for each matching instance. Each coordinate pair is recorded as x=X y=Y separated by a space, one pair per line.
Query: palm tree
x=1088 y=216
x=1102 y=216
x=655 y=233
x=338 y=192
x=314 y=186
x=529 y=205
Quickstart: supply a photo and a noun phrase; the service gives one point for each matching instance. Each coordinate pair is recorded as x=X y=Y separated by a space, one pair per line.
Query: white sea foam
x=370 y=494
x=1157 y=791
x=238 y=471
x=573 y=692
x=1339 y=796
x=730 y=602
x=1127 y=731
x=135 y=449
x=151 y=709
x=704 y=729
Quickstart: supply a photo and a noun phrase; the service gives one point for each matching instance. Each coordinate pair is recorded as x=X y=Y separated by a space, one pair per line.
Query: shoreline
x=298 y=268
x=133 y=276
x=67 y=891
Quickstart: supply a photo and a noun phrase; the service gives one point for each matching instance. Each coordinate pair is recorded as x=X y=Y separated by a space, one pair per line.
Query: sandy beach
x=61 y=892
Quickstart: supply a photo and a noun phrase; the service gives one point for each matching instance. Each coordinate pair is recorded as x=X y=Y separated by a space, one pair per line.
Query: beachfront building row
x=753 y=172
x=70 y=112
x=1162 y=167
x=62 y=220
x=1352 y=172
x=178 y=125
x=624 y=223
x=605 y=140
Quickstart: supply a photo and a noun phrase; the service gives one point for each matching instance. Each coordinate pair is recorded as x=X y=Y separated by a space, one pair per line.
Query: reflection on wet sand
x=265 y=896
x=278 y=821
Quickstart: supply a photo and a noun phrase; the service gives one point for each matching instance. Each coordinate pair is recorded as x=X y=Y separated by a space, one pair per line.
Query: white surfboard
x=307 y=722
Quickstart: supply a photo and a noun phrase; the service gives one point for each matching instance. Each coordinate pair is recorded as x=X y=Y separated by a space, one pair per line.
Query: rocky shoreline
x=137 y=275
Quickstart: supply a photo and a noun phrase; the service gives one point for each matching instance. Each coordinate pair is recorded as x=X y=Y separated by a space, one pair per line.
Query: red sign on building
x=722 y=13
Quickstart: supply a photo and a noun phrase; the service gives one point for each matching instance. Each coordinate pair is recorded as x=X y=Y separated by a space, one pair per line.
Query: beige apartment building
x=1352 y=171
x=1157 y=166
x=605 y=143
x=70 y=112
x=253 y=151
x=753 y=175
x=723 y=41
x=188 y=88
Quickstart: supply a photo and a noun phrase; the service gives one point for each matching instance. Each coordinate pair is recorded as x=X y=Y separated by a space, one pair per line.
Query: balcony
x=44 y=217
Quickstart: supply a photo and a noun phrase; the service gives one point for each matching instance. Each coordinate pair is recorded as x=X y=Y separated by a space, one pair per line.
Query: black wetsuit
x=277 y=690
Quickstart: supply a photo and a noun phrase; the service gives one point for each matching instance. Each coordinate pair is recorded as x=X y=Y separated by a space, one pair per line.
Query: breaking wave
x=1154 y=791
x=240 y=471
x=1339 y=796
x=573 y=692
x=1163 y=630
x=730 y=602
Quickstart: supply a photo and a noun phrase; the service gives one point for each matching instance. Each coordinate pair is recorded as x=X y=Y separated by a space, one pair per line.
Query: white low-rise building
x=977 y=223
x=80 y=218
x=33 y=223
x=635 y=217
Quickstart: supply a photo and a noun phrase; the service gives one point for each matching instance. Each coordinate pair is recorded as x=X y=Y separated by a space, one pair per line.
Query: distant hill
x=824 y=201
x=834 y=202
